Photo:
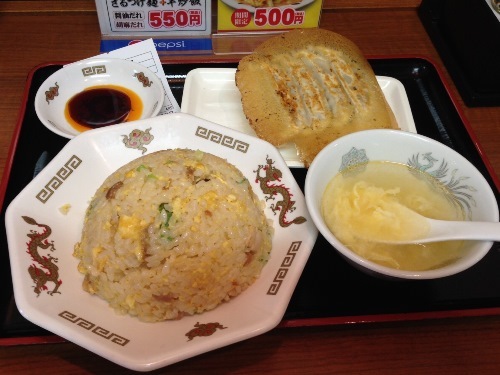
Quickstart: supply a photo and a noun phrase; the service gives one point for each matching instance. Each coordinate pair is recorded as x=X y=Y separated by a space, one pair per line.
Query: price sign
x=278 y=16
x=267 y=15
x=154 y=17
x=171 y=19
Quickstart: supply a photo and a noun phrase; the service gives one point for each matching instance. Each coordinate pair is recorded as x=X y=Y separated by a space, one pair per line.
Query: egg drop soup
x=371 y=201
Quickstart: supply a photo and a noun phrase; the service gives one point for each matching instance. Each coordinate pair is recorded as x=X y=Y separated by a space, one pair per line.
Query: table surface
x=444 y=346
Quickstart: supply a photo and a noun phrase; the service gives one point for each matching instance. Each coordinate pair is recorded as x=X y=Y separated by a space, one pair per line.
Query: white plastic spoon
x=402 y=225
x=415 y=228
x=443 y=230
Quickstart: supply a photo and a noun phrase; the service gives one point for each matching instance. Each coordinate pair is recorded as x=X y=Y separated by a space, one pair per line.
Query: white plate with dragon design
x=45 y=221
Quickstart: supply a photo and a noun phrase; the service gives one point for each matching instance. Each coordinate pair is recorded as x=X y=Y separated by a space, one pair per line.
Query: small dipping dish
x=97 y=92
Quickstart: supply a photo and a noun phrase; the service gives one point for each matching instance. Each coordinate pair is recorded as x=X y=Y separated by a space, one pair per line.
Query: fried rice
x=173 y=233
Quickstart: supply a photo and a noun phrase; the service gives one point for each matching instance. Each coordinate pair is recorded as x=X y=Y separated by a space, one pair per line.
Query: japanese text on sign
x=152 y=3
x=239 y=15
x=139 y=17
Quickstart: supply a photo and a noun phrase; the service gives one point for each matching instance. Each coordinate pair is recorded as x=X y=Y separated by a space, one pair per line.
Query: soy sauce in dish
x=100 y=106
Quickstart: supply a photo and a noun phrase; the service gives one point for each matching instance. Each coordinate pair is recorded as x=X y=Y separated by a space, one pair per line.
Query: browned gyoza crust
x=310 y=87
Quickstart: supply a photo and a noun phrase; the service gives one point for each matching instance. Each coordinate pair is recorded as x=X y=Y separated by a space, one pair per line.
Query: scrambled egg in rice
x=173 y=233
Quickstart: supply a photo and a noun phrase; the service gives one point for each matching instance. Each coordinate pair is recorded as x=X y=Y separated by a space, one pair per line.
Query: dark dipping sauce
x=97 y=107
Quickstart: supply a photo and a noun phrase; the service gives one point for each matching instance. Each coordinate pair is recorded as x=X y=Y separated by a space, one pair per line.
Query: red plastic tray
x=330 y=291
